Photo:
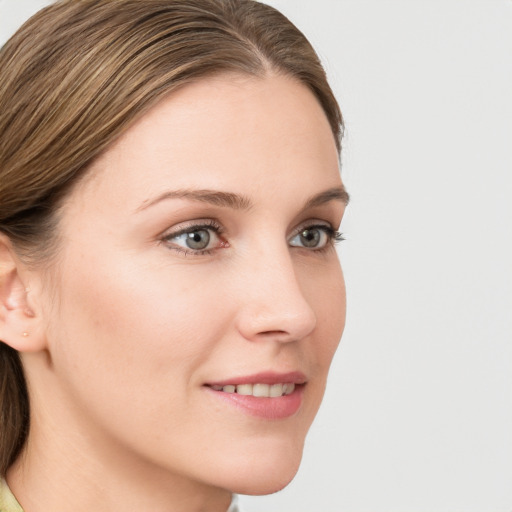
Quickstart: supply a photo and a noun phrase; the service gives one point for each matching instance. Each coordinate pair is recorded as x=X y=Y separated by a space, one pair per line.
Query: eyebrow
x=214 y=197
x=331 y=194
x=241 y=202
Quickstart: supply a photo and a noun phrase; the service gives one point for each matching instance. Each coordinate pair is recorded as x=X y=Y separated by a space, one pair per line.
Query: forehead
x=226 y=131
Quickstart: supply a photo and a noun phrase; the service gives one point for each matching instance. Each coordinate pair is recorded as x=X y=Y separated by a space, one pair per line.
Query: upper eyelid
x=313 y=223
x=185 y=227
x=219 y=228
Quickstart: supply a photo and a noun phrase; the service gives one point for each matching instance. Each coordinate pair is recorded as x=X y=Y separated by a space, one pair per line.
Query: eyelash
x=334 y=237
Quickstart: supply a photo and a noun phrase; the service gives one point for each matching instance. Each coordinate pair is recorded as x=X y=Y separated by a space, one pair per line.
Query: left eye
x=312 y=237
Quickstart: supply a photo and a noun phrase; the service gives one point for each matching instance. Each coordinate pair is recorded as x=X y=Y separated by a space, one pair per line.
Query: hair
x=77 y=75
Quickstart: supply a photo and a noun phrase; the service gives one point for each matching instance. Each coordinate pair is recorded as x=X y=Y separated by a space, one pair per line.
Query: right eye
x=195 y=239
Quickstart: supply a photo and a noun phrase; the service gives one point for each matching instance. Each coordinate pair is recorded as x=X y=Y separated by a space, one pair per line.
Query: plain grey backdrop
x=418 y=412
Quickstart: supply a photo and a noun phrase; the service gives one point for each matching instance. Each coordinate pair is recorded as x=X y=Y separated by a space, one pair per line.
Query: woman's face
x=197 y=256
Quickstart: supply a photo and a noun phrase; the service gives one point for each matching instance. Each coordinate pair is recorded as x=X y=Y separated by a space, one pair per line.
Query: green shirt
x=8 y=502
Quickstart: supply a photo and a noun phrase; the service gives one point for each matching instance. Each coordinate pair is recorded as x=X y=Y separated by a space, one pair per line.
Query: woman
x=171 y=298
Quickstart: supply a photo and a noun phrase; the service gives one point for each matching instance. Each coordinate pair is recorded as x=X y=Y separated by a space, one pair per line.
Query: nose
x=272 y=304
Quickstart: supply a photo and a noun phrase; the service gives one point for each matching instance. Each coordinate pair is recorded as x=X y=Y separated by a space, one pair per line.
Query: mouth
x=270 y=396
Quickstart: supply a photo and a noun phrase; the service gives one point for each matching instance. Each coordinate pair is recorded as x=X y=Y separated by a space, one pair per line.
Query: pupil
x=198 y=239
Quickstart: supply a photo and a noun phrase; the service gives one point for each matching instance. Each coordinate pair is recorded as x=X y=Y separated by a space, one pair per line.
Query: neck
x=43 y=479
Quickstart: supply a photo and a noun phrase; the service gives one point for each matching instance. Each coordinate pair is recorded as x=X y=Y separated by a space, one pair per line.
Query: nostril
x=272 y=333
x=280 y=336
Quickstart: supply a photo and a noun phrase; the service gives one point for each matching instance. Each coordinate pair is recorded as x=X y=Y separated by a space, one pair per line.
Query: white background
x=418 y=415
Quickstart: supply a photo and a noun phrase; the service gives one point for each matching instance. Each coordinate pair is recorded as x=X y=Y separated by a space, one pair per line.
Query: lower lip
x=276 y=408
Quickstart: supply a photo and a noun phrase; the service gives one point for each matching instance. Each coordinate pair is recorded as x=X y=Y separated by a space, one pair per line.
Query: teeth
x=261 y=390
x=276 y=390
x=258 y=390
x=244 y=389
x=288 y=389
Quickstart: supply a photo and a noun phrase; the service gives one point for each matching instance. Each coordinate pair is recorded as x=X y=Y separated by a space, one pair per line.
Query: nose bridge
x=274 y=304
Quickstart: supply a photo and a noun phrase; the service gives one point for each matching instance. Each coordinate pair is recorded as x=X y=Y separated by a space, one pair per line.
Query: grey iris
x=310 y=237
x=198 y=239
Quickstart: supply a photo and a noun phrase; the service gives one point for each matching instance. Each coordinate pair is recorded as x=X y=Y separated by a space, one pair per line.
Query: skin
x=131 y=327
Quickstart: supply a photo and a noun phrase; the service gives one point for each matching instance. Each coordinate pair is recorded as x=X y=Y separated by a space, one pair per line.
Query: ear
x=20 y=325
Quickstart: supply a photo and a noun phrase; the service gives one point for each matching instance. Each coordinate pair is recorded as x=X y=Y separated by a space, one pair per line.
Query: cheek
x=128 y=329
x=325 y=292
x=326 y=295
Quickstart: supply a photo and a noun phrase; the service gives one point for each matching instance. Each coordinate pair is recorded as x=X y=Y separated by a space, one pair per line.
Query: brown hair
x=78 y=74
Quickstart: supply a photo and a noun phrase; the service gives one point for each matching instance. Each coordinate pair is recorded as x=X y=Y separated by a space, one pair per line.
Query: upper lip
x=263 y=378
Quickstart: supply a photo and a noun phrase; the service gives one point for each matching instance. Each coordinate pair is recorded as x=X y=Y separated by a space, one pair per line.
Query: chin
x=264 y=487
x=259 y=485
x=266 y=472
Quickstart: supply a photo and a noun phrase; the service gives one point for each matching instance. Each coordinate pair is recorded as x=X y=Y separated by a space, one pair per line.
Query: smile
x=258 y=390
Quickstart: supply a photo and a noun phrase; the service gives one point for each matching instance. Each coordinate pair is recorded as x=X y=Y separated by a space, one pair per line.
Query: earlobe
x=19 y=323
